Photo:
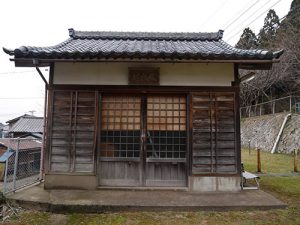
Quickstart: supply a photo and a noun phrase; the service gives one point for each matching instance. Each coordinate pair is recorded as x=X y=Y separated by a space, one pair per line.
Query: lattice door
x=143 y=140
x=120 y=146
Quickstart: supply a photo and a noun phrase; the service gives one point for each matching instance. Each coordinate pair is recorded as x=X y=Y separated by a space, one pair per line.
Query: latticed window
x=120 y=126
x=166 y=127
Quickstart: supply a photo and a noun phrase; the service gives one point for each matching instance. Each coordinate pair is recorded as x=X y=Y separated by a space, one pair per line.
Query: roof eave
x=8 y=51
x=263 y=64
x=257 y=66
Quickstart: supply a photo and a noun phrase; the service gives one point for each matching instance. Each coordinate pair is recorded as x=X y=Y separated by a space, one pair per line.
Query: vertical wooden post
x=249 y=145
x=296 y=160
x=273 y=107
x=241 y=112
x=258 y=161
x=249 y=111
x=260 y=109
x=290 y=103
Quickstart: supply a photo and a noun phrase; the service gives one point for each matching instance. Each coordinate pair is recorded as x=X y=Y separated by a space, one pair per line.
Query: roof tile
x=28 y=124
x=25 y=144
x=102 y=45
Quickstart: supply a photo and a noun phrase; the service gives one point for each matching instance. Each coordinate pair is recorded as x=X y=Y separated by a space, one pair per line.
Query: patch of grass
x=270 y=163
x=96 y=219
x=285 y=188
x=30 y=217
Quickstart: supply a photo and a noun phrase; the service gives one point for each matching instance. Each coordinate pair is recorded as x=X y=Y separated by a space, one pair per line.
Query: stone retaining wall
x=262 y=132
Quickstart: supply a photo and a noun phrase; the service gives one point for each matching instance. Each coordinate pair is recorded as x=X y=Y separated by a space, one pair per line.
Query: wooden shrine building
x=134 y=109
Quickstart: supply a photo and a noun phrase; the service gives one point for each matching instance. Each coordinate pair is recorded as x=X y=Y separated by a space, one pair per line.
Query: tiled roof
x=145 y=36
x=28 y=124
x=25 y=144
x=16 y=118
x=142 y=45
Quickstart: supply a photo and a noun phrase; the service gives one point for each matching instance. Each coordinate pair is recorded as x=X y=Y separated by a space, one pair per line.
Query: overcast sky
x=43 y=23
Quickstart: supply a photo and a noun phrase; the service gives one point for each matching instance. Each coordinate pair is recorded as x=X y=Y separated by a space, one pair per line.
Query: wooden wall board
x=213 y=133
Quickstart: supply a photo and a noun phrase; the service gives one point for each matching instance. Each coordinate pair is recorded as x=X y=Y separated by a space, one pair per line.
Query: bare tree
x=284 y=77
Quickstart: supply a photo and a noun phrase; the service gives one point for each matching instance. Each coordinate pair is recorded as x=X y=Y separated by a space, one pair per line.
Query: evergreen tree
x=292 y=19
x=284 y=77
x=248 y=40
x=267 y=34
x=294 y=14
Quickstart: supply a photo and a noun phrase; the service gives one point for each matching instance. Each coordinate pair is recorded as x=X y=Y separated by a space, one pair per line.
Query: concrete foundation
x=67 y=181
x=207 y=184
x=97 y=201
x=195 y=183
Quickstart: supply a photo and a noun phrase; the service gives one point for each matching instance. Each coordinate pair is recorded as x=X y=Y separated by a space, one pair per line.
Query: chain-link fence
x=23 y=161
x=285 y=104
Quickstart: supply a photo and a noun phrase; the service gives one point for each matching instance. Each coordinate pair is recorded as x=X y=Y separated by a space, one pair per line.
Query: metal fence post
x=5 y=175
x=16 y=164
x=284 y=104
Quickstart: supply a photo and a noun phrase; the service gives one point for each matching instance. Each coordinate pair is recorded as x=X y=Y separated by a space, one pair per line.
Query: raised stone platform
x=104 y=200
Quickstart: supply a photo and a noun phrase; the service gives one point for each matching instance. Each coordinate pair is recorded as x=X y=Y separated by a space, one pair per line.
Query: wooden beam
x=144 y=89
x=51 y=74
x=237 y=121
x=246 y=77
x=27 y=62
x=42 y=76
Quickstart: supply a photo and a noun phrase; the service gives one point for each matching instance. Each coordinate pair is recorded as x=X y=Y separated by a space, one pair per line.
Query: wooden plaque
x=143 y=76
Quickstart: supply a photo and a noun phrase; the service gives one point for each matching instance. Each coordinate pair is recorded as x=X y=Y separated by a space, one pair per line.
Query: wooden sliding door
x=166 y=144
x=143 y=140
x=120 y=146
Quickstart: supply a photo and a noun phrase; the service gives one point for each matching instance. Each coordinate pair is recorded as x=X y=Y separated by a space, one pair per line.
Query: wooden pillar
x=260 y=109
x=249 y=111
x=241 y=112
x=296 y=160
x=258 y=161
x=249 y=146
x=290 y=103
